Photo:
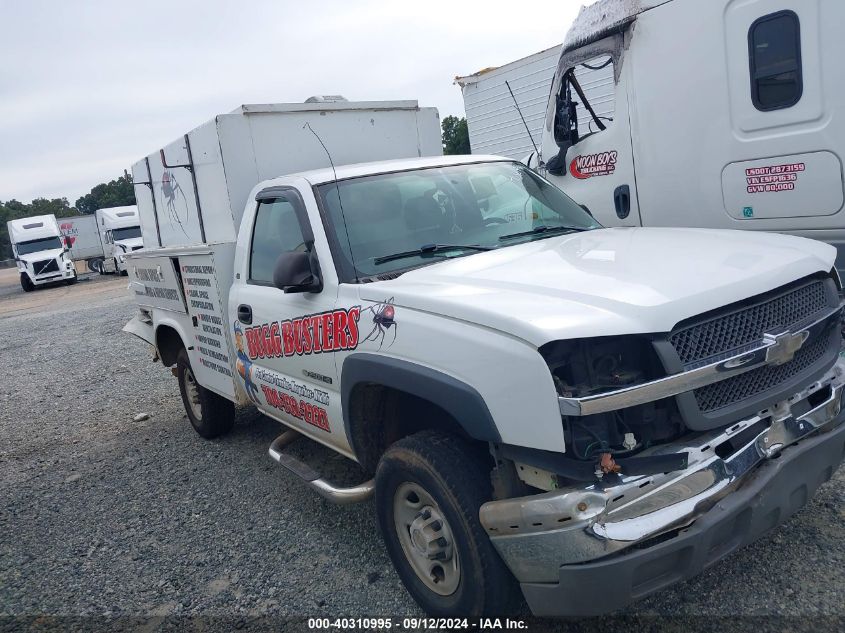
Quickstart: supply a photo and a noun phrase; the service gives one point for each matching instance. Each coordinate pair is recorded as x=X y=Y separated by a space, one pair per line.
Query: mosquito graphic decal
x=170 y=189
x=383 y=320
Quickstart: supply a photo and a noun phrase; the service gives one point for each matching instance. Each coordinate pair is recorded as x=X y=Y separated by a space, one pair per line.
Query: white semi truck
x=103 y=238
x=719 y=114
x=120 y=233
x=40 y=252
x=585 y=414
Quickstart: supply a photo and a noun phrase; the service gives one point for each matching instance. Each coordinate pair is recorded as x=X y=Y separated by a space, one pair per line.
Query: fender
x=457 y=398
x=175 y=325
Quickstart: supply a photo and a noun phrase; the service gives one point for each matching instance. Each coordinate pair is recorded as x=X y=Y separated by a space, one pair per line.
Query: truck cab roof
x=357 y=170
x=119 y=217
x=36 y=227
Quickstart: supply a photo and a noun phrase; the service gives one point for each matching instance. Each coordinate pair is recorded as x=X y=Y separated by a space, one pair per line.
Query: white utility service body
x=537 y=397
x=720 y=114
x=192 y=216
x=120 y=234
x=40 y=252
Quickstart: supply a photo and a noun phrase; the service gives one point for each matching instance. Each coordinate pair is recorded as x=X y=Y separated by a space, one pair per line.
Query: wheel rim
x=426 y=538
x=192 y=390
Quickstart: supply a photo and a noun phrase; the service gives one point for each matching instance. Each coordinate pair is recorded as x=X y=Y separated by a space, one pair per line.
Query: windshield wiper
x=427 y=249
x=545 y=229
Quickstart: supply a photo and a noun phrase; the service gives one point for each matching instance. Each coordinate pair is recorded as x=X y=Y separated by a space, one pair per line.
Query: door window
x=774 y=52
x=276 y=231
x=585 y=103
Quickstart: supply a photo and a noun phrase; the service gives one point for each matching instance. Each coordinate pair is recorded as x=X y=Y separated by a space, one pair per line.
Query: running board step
x=327 y=490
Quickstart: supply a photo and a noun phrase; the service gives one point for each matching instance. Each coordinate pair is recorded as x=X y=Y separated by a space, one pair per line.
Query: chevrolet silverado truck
x=546 y=408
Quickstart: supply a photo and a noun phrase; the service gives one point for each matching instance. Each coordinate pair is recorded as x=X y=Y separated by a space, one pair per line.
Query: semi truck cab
x=718 y=114
x=40 y=252
x=120 y=233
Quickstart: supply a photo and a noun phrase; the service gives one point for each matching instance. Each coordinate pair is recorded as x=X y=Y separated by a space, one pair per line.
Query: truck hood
x=40 y=256
x=130 y=243
x=604 y=282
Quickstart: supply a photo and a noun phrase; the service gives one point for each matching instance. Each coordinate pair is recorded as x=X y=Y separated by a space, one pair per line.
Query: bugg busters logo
x=332 y=331
x=589 y=165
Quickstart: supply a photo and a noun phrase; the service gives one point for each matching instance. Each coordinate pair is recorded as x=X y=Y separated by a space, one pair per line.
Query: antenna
x=536 y=151
x=339 y=199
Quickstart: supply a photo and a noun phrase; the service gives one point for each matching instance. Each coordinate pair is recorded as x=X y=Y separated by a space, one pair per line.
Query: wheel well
x=380 y=416
x=168 y=343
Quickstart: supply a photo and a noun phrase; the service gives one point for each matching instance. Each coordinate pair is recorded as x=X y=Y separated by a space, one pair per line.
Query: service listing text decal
x=589 y=165
x=773 y=178
x=203 y=304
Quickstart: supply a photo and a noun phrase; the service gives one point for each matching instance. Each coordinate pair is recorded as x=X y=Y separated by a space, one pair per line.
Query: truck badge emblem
x=784 y=346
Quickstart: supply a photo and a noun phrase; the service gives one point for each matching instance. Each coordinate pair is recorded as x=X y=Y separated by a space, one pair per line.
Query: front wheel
x=429 y=488
x=72 y=280
x=211 y=415
x=26 y=283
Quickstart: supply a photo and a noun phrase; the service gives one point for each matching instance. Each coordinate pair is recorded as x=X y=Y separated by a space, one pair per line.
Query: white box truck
x=719 y=114
x=40 y=252
x=541 y=404
x=119 y=233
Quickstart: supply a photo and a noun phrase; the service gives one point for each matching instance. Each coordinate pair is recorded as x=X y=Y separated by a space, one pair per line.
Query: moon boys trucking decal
x=331 y=331
x=589 y=165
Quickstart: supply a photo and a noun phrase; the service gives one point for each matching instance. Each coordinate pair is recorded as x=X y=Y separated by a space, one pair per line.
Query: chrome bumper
x=536 y=535
x=774 y=349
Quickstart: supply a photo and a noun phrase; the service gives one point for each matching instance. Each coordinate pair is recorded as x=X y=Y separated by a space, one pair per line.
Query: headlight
x=585 y=367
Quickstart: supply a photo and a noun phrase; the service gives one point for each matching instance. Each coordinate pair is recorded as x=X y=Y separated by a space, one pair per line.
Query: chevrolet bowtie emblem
x=784 y=346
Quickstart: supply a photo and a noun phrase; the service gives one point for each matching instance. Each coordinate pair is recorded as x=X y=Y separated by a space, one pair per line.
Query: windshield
x=490 y=205
x=34 y=246
x=126 y=233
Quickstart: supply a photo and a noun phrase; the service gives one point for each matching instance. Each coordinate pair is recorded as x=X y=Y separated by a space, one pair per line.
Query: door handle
x=622 y=201
x=245 y=314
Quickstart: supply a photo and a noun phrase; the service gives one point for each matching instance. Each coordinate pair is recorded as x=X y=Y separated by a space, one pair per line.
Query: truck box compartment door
x=210 y=358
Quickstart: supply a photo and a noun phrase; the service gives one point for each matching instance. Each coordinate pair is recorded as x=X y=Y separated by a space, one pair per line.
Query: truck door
x=587 y=140
x=282 y=359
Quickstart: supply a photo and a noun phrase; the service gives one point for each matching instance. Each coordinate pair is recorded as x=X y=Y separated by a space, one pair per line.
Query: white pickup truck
x=587 y=414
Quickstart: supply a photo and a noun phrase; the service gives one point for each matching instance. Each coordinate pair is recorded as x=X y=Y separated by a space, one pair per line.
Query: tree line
x=115 y=193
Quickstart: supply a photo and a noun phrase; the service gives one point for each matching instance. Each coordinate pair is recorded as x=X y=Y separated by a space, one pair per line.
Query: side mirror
x=297 y=271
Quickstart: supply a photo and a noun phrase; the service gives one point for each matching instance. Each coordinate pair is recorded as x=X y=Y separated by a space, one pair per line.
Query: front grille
x=727 y=332
x=758 y=380
x=45 y=266
x=137 y=248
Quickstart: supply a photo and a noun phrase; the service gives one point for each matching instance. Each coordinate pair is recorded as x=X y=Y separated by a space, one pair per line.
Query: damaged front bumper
x=593 y=549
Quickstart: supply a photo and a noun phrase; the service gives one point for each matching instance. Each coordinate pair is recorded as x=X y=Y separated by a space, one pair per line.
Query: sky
x=88 y=87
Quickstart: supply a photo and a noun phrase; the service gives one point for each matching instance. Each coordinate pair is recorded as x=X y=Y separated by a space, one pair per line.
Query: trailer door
x=598 y=168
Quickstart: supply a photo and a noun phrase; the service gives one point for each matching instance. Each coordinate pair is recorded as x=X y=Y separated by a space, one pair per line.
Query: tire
x=211 y=415
x=26 y=283
x=72 y=280
x=453 y=475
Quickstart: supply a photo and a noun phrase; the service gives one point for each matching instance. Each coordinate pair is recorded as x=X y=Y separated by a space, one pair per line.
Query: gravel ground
x=104 y=516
